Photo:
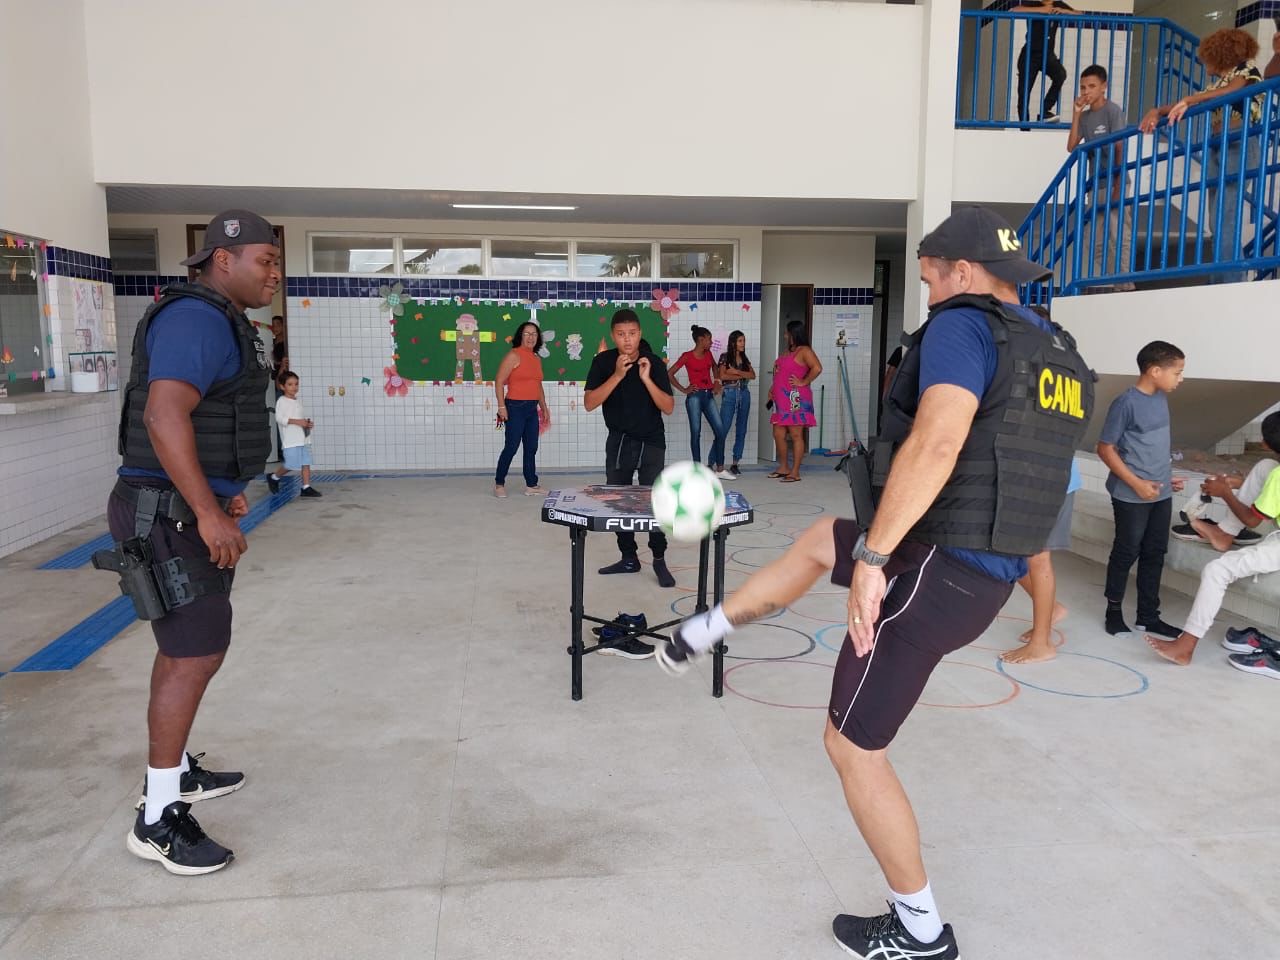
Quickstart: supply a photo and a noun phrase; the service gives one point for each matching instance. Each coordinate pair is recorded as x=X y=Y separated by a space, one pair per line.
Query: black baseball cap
x=232 y=228
x=980 y=235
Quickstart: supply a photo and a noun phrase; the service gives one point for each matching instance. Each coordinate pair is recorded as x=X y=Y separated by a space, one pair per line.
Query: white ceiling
x=871 y=215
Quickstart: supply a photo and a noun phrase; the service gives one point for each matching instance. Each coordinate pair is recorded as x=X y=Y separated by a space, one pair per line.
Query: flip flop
x=790 y=479
x=775 y=476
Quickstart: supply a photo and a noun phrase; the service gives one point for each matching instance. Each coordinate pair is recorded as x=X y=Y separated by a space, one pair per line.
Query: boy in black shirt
x=632 y=385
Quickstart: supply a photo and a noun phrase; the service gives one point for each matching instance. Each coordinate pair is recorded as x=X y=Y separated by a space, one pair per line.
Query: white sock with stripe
x=919 y=914
x=701 y=631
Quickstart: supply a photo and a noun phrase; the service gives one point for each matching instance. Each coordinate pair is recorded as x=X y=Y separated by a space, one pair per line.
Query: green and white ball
x=688 y=501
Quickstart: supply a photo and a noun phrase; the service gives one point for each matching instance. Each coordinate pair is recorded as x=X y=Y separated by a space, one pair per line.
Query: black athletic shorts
x=934 y=605
x=202 y=627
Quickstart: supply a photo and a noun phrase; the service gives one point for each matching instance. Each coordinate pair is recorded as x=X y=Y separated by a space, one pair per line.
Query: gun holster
x=134 y=562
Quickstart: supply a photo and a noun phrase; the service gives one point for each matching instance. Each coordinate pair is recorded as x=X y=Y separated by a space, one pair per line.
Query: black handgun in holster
x=134 y=562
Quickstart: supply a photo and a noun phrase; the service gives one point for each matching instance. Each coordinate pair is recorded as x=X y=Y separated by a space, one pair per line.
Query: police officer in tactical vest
x=194 y=430
x=980 y=426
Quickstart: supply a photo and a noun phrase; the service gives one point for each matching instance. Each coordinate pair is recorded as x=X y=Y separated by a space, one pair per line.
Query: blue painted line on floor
x=101 y=627
x=78 y=556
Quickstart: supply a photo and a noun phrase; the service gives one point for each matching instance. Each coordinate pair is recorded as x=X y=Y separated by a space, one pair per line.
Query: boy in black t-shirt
x=630 y=382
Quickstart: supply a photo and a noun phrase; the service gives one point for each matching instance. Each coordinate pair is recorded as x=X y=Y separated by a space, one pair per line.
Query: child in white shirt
x=295 y=436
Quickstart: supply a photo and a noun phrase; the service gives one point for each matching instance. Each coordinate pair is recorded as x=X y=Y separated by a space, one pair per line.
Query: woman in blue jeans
x=700 y=398
x=520 y=396
x=736 y=374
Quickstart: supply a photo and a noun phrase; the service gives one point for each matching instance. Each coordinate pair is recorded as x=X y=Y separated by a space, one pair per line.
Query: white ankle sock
x=701 y=631
x=306 y=486
x=919 y=914
x=163 y=788
x=184 y=766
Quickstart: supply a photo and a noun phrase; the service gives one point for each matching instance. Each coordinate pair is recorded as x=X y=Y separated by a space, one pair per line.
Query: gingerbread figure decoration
x=468 y=339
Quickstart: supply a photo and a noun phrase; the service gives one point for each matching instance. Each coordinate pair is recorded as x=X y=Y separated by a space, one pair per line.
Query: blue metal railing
x=1004 y=81
x=1201 y=198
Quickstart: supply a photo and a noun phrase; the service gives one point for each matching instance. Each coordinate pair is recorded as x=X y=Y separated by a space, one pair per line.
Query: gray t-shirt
x=1137 y=425
x=1098 y=122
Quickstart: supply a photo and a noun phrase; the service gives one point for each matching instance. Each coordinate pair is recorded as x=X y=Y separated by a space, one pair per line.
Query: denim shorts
x=295 y=458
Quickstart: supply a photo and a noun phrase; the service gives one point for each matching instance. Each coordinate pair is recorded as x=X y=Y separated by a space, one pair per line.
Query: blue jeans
x=522 y=426
x=735 y=406
x=699 y=404
x=1230 y=228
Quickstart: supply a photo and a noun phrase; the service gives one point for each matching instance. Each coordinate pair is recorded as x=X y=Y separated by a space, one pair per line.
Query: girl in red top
x=699 y=398
x=520 y=396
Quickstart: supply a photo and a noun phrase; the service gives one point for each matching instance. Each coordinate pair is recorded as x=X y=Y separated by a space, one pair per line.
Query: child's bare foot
x=1035 y=651
x=1059 y=614
x=1175 y=651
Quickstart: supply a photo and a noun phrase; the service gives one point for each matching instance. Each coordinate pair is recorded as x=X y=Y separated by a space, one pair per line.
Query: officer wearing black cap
x=981 y=424
x=193 y=430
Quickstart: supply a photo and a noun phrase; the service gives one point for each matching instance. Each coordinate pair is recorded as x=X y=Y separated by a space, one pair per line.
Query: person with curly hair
x=1229 y=55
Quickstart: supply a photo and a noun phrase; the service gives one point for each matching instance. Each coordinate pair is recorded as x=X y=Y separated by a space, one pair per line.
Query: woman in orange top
x=520 y=396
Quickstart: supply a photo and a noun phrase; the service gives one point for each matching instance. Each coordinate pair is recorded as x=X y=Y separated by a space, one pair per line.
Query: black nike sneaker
x=884 y=938
x=177 y=843
x=200 y=784
x=675 y=657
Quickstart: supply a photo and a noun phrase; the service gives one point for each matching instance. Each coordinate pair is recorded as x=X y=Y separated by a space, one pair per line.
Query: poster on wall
x=87 y=300
x=446 y=340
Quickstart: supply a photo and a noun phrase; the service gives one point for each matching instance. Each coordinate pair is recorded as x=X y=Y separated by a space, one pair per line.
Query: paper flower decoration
x=393 y=298
x=547 y=337
x=396 y=385
x=6 y=356
x=664 y=302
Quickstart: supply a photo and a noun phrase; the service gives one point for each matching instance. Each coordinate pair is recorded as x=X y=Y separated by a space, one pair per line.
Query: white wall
x=1007 y=166
x=822 y=259
x=667 y=97
x=46 y=160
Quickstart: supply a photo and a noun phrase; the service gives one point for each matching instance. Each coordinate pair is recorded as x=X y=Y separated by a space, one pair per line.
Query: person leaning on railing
x=1229 y=56
x=1039 y=55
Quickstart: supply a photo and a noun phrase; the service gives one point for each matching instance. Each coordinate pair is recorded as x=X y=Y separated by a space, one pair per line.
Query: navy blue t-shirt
x=958 y=349
x=192 y=341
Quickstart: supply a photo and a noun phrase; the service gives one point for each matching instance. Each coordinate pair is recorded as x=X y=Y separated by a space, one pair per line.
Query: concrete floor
x=420 y=784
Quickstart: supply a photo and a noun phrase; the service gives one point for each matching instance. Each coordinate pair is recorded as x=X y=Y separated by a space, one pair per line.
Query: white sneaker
x=726 y=475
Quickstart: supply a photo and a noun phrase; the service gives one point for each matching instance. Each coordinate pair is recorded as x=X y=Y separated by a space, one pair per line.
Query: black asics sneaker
x=177 y=843
x=200 y=784
x=884 y=938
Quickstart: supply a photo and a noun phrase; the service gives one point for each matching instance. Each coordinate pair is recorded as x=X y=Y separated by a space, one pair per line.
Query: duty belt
x=152 y=502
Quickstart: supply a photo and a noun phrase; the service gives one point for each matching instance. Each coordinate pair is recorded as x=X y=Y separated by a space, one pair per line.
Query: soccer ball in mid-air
x=688 y=501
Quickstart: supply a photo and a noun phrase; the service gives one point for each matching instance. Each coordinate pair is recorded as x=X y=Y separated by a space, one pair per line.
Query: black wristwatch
x=868 y=556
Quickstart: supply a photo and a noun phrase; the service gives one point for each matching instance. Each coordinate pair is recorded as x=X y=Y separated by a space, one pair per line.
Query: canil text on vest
x=1061 y=394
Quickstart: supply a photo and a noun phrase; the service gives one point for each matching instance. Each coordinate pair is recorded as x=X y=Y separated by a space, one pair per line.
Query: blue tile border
x=64 y=262
x=489 y=289
x=78 y=556
x=843 y=296
x=143 y=284
x=1257 y=11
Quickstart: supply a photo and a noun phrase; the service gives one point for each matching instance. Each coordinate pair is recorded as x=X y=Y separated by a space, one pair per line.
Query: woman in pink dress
x=792 y=400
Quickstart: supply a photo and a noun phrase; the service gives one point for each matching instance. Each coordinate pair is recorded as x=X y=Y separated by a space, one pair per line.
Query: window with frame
x=594 y=259
x=366 y=254
x=22 y=328
x=529 y=258
x=133 y=251
x=696 y=260
x=442 y=256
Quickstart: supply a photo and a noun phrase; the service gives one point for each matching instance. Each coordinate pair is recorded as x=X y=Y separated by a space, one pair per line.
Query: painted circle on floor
x=766 y=556
x=734 y=676
x=745 y=634
x=733 y=579
x=830 y=606
x=997 y=701
x=1142 y=682
x=684 y=607
x=821 y=636
x=786 y=508
x=749 y=539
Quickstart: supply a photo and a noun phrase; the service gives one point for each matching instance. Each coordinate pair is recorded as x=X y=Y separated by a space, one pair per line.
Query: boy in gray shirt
x=1135 y=446
x=1093 y=117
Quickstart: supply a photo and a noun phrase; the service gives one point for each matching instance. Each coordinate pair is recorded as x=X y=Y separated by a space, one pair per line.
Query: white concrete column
x=939 y=54
x=1262 y=27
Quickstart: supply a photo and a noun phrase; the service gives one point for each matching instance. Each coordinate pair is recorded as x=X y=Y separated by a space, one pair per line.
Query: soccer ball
x=688 y=501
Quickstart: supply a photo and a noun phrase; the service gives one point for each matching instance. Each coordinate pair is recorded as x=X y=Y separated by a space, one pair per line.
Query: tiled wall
x=338 y=336
x=57 y=465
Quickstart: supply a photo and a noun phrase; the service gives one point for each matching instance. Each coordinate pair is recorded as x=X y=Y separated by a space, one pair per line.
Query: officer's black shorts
x=201 y=628
x=934 y=605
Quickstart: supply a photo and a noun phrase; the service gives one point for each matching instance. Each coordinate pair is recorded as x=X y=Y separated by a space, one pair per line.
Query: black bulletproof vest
x=1011 y=475
x=232 y=428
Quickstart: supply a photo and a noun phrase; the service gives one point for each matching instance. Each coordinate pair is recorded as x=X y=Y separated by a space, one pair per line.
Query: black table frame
x=577 y=649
